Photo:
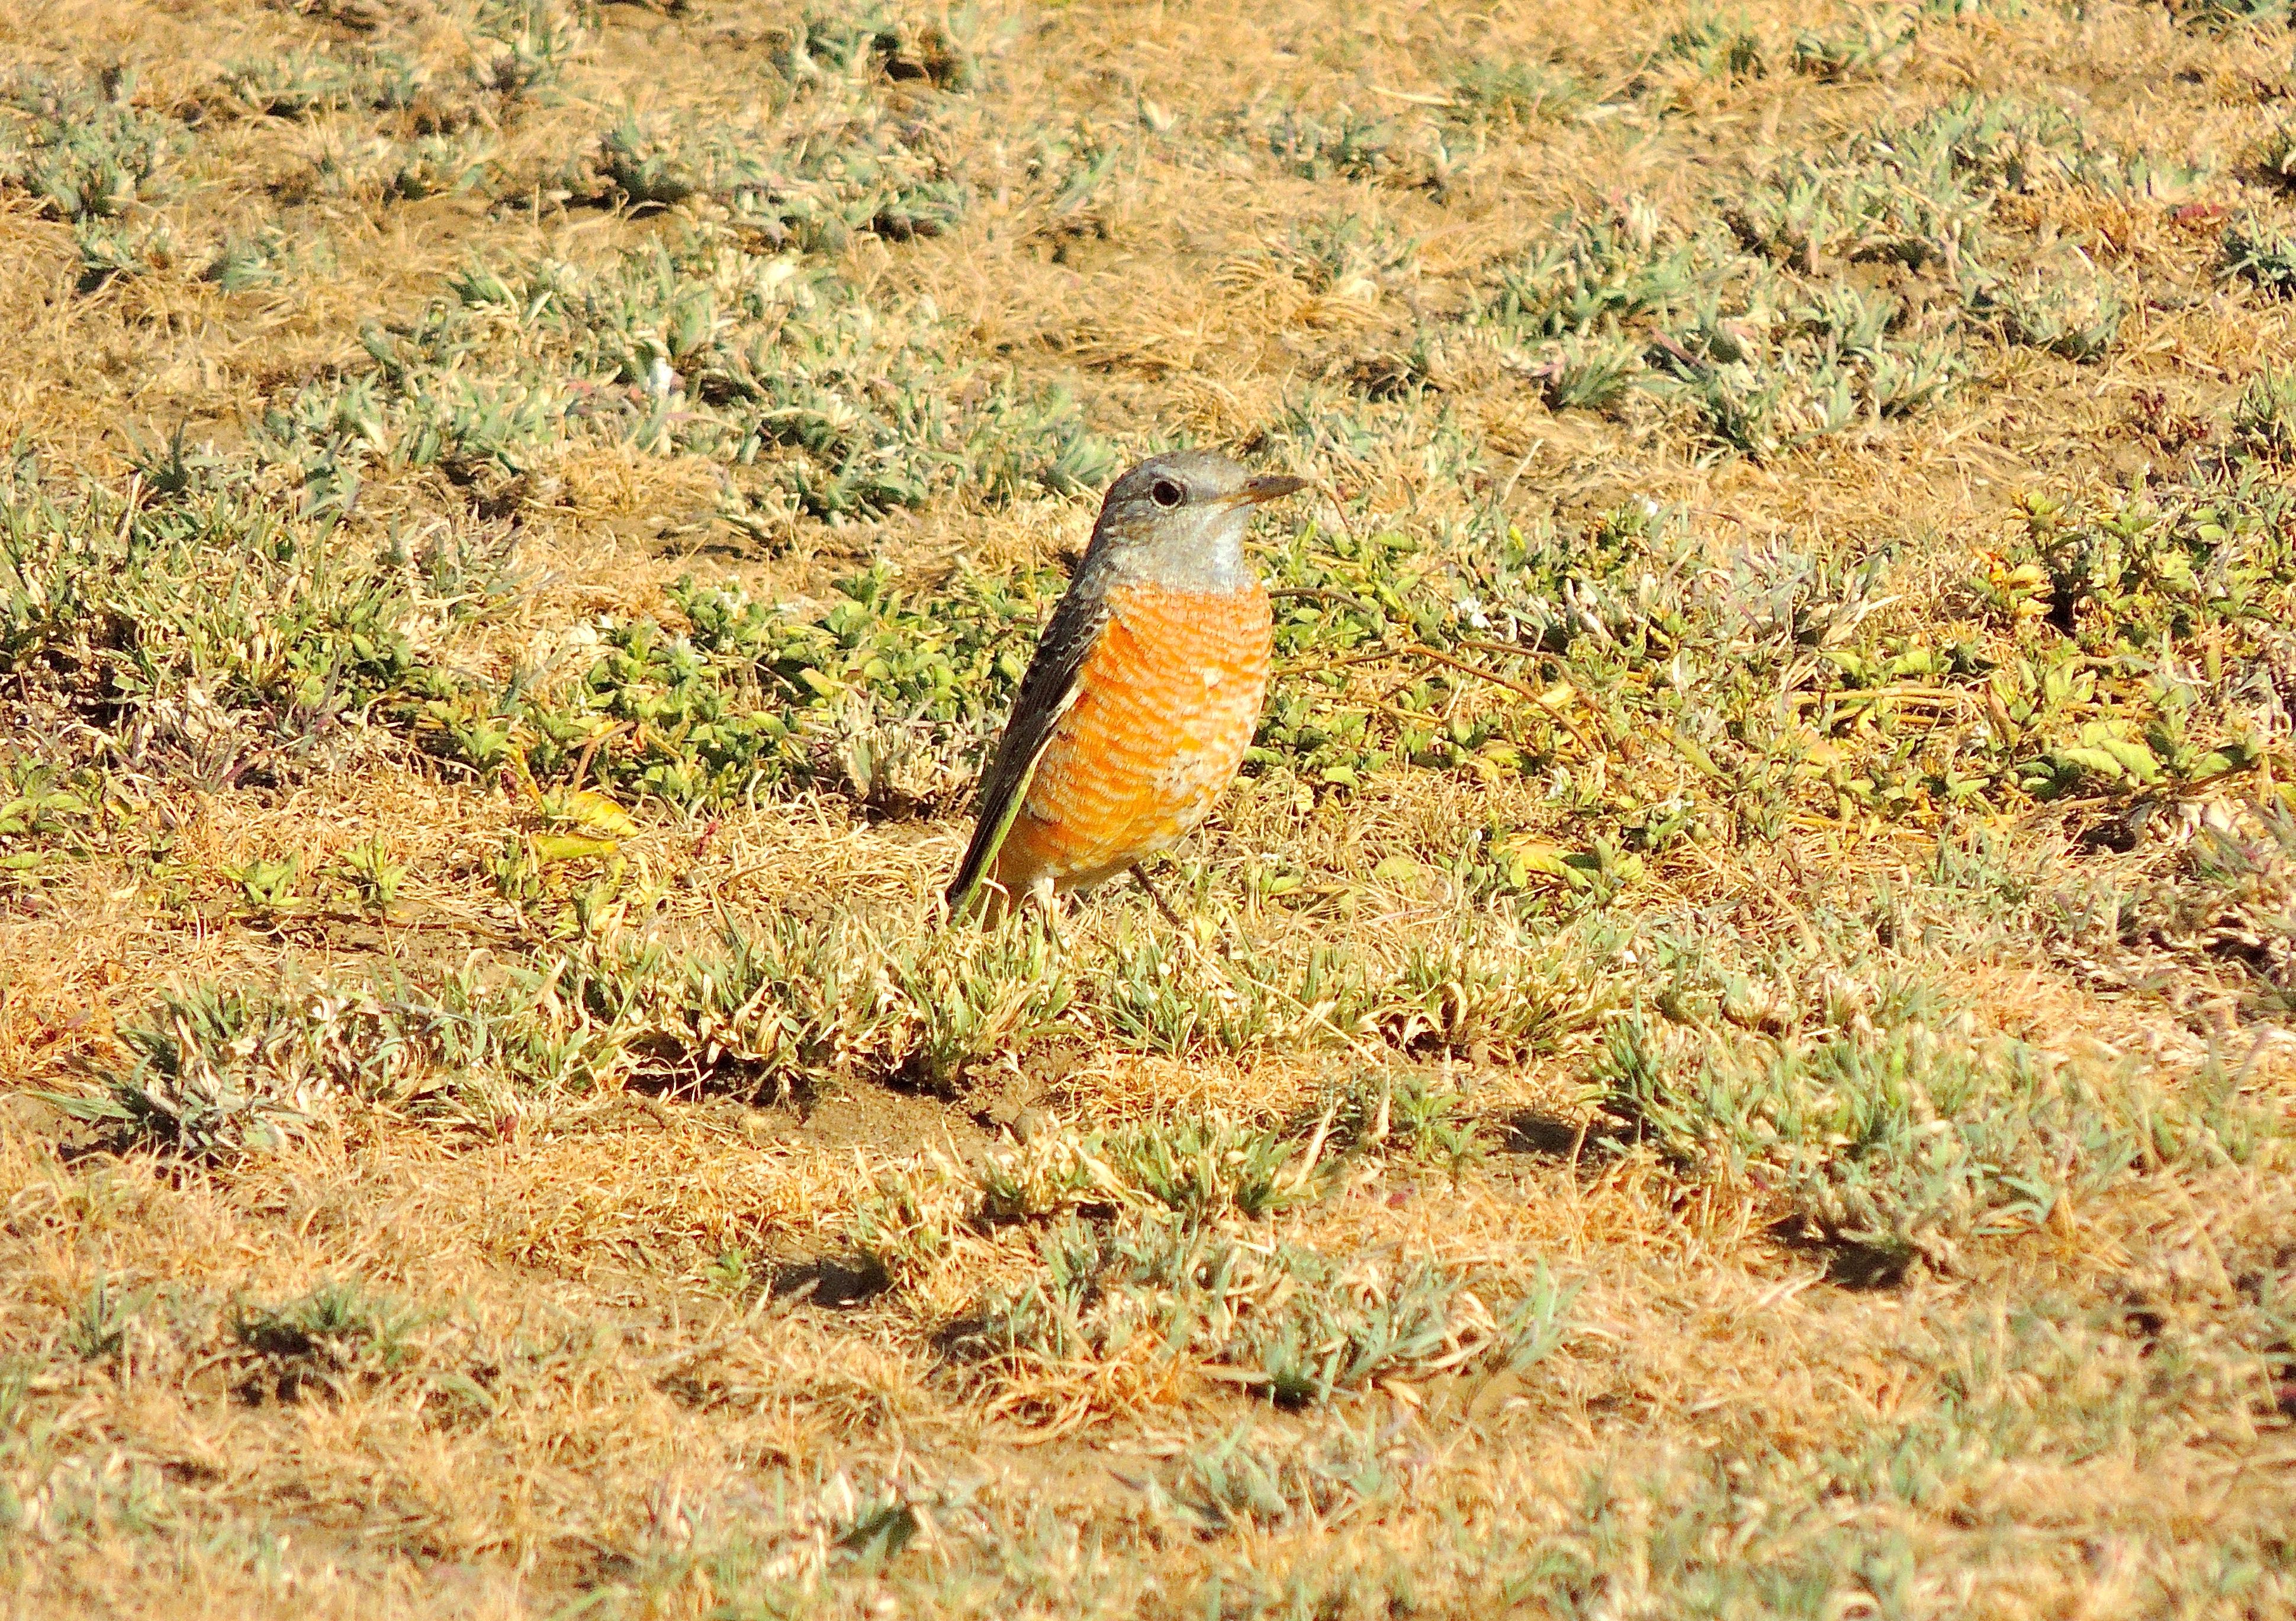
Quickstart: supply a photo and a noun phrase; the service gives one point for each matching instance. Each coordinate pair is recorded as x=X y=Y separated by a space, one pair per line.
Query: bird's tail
x=972 y=873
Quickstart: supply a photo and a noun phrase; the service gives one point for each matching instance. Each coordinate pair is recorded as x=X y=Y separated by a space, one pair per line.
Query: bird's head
x=1178 y=520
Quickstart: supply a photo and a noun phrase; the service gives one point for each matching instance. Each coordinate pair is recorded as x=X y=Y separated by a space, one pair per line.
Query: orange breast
x=1167 y=703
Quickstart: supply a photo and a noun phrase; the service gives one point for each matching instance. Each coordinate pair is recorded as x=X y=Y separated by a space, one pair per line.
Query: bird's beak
x=1267 y=486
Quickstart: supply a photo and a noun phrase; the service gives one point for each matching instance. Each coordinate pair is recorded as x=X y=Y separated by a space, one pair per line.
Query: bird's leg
x=1047 y=904
x=1140 y=872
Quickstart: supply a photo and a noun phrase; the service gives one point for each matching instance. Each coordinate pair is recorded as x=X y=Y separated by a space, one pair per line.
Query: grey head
x=1178 y=520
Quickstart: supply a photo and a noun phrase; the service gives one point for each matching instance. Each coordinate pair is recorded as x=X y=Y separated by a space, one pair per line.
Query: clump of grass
x=873 y=182
x=217 y=626
x=1199 y=1169
x=1592 y=373
x=204 y=1083
x=341 y=1341
x=1404 y=1111
x=1918 y=194
x=2262 y=257
x=303 y=85
x=46 y=809
x=1899 y=1146
x=1597 y=273
x=1344 y=144
x=2266 y=417
x=1869 y=47
x=265 y=258
x=1121 y=1303
x=2077 y=316
x=1234 y=1482
x=1713 y=49
x=2219 y=16
x=872 y=41
x=98 y=1329
x=521 y=49
x=110 y=250
x=83 y=149
x=436 y=166
x=1157 y=1002
x=335 y=1333
x=697 y=347
x=2229 y=898
x=88 y=155
x=2275 y=155
x=1490 y=993
x=1520 y=92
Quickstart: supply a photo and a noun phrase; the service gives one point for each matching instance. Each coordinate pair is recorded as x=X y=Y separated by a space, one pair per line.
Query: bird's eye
x=1165 y=493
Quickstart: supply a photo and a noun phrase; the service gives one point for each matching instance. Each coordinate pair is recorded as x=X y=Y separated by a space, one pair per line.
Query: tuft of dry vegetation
x=1732 y=1053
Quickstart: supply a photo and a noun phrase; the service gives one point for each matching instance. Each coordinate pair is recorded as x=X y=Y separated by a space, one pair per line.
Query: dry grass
x=1733 y=1056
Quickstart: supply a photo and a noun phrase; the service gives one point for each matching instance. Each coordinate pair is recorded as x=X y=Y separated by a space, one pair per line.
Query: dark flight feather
x=1047 y=691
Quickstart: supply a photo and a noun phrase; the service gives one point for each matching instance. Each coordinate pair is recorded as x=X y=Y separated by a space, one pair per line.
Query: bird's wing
x=1047 y=691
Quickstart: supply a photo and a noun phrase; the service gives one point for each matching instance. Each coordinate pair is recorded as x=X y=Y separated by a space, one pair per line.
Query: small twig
x=582 y=765
x=1417 y=98
x=1316 y=1146
x=1681 y=357
x=1511 y=685
x=1319 y=594
x=1416 y=651
x=1381 y=657
x=1507 y=489
x=1339 y=511
x=1234 y=1376
x=1481 y=674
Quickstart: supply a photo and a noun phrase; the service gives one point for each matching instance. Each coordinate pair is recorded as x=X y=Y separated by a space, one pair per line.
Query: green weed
x=373 y=876
x=1233 y=1482
x=83 y=149
x=2262 y=257
x=2078 y=318
x=1284 y=1321
x=1403 y=1109
x=45 y=809
x=98 y=1328
x=336 y=1324
x=1347 y=145
x=1713 y=49
x=205 y=1082
x=1894 y=1146
x=332 y=1340
x=306 y=84
x=1518 y=91
x=1869 y=47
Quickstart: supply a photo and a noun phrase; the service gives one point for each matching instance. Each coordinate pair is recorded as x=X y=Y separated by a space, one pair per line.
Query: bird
x=1144 y=692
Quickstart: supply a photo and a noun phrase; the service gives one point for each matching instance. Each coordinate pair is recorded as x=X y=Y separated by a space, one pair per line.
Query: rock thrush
x=1143 y=693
